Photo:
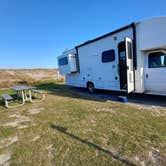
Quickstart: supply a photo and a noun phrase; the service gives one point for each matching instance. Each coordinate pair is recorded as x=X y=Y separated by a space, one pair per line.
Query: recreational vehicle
x=129 y=59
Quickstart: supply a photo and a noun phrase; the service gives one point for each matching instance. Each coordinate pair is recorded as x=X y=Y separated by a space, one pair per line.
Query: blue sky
x=34 y=32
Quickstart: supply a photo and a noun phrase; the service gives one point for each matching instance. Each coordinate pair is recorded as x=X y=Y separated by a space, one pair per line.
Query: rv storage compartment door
x=129 y=63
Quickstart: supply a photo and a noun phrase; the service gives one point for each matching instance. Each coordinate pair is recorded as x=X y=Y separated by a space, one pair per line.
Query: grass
x=5 y=91
x=76 y=130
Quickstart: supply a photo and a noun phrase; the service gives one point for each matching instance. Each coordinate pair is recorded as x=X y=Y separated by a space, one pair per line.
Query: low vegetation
x=72 y=129
x=11 y=77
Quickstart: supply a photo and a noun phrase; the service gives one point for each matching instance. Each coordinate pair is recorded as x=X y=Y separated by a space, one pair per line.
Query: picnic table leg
x=18 y=95
x=25 y=94
x=23 y=97
x=43 y=98
x=30 y=96
x=6 y=104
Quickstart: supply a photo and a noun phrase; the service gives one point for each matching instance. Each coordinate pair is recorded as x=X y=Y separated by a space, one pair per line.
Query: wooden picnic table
x=24 y=92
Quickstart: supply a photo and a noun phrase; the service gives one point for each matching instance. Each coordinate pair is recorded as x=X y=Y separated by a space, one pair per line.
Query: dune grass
x=71 y=129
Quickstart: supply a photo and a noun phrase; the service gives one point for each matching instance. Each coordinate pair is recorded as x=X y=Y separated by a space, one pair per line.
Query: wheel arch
x=89 y=82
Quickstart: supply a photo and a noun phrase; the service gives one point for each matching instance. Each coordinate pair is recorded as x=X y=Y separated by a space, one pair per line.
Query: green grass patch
x=6 y=91
x=72 y=129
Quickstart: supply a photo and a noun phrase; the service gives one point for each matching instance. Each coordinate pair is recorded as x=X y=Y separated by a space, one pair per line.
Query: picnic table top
x=22 y=87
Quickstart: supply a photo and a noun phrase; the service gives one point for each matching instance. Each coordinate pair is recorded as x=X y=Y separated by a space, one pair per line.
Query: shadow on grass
x=51 y=86
x=93 y=145
x=101 y=95
x=65 y=91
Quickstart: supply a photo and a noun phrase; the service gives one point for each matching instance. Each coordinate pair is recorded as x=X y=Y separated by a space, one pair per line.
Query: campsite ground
x=70 y=128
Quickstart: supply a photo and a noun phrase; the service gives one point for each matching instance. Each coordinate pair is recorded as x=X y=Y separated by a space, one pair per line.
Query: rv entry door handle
x=147 y=76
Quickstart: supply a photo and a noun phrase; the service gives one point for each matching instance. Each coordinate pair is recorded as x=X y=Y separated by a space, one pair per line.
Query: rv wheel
x=91 y=88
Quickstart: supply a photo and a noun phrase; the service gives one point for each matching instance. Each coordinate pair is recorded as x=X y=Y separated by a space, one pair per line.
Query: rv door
x=129 y=64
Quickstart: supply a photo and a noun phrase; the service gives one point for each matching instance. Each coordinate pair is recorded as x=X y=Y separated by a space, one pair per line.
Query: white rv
x=130 y=59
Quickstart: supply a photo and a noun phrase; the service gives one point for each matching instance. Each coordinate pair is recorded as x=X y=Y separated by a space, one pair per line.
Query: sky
x=34 y=32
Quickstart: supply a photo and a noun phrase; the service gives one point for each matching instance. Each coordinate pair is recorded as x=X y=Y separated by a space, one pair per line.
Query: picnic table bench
x=6 y=98
x=35 y=91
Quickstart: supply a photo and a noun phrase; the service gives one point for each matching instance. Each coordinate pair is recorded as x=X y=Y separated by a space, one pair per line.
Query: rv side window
x=157 y=59
x=108 y=56
x=129 y=47
x=63 y=61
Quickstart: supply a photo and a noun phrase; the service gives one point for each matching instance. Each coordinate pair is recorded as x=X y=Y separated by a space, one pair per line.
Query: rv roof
x=108 y=34
x=118 y=30
x=149 y=19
